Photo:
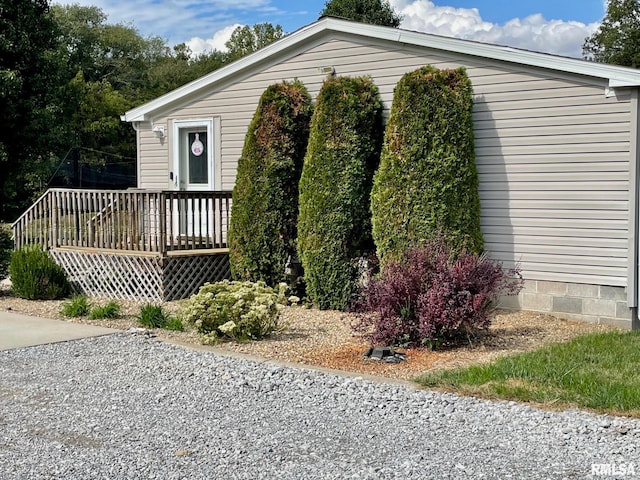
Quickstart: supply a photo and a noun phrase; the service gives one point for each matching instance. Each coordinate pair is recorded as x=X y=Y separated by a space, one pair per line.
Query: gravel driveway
x=124 y=407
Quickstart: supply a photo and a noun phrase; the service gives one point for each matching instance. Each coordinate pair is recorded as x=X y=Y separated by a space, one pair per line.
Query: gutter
x=633 y=264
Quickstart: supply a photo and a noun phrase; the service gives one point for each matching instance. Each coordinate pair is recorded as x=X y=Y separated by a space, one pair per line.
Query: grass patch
x=110 y=310
x=599 y=372
x=155 y=316
x=77 y=306
x=175 y=324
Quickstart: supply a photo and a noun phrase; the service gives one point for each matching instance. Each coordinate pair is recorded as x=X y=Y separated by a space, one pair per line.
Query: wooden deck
x=135 y=244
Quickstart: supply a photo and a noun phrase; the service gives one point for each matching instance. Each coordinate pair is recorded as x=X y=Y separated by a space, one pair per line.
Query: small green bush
x=36 y=276
x=263 y=227
x=334 y=225
x=235 y=310
x=6 y=245
x=110 y=310
x=175 y=324
x=77 y=306
x=427 y=183
x=153 y=316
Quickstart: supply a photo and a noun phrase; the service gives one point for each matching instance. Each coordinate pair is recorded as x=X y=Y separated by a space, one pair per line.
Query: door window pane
x=198 y=155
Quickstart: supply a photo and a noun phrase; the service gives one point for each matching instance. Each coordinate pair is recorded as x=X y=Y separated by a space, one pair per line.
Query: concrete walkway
x=17 y=331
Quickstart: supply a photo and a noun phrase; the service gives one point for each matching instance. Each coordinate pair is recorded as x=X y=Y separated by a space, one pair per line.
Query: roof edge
x=141 y=113
x=621 y=76
x=616 y=75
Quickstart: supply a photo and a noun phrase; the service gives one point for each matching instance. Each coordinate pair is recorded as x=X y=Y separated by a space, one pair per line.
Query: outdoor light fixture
x=158 y=130
x=328 y=70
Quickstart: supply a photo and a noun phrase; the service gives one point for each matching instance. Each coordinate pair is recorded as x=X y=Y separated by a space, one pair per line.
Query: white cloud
x=176 y=20
x=207 y=22
x=532 y=33
x=217 y=42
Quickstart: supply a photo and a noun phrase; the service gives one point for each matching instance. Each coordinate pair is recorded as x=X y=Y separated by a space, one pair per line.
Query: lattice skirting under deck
x=183 y=276
x=141 y=277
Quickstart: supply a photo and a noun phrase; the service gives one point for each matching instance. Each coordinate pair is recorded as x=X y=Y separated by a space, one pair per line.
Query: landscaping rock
x=127 y=407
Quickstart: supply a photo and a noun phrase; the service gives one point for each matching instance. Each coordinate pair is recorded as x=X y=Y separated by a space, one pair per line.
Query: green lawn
x=599 y=372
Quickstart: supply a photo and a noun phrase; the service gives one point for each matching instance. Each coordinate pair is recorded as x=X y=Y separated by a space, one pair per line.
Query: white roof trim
x=617 y=76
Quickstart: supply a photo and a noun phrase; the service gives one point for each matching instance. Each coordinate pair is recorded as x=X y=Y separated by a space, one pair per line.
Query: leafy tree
x=246 y=40
x=207 y=62
x=427 y=183
x=169 y=71
x=28 y=80
x=95 y=121
x=138 y=68
x=265 y=198
x=79 y=38
x=123 y=59
x=102 y=51
x=334 y=225
x=203 y=63
x=104 y=73
x=376 y=12
x=178 y=66
x=617 y=40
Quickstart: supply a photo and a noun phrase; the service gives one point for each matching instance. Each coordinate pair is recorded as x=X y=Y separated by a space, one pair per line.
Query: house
x=556 y=150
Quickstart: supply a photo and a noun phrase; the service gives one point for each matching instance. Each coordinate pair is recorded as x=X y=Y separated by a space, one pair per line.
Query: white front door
x=194 y=157
x=193 y=171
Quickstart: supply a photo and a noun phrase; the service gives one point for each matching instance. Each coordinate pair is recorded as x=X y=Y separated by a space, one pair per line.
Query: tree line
x=66 y=76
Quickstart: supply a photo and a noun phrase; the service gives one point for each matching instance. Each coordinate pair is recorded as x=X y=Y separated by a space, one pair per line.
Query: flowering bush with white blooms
x=235 y=310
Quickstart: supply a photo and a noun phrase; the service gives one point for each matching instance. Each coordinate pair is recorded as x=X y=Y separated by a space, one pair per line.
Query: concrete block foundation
x=572 y=301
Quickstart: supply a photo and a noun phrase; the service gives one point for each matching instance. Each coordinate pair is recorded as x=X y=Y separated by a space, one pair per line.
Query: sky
x=551 y=26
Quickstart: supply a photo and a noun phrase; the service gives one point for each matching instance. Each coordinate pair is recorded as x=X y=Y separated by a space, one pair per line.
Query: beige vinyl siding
x=153 y=172
x=553 y=166
x=552 y=152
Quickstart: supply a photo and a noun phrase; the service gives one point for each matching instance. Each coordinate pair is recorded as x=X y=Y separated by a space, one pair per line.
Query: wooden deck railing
x=129 y=220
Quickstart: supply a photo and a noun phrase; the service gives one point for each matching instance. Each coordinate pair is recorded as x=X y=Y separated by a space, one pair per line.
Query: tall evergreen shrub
x=263 y=229
x=427 y=183
x=335 y=224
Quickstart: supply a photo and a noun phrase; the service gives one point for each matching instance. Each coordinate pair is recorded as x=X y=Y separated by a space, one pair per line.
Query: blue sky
x=554 y=26
x=500 y=11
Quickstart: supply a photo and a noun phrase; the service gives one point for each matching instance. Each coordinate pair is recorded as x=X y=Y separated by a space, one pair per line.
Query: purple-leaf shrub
x=431 y=295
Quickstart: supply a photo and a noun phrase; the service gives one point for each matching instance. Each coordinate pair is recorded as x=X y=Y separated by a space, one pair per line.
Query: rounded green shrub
x=427 y=182
x=334 y=225
x=36 y=276
x=6 y=245
x=263 y=231
x=235 y=310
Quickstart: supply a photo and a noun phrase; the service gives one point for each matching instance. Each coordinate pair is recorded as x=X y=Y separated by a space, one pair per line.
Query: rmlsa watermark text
x=613 y=469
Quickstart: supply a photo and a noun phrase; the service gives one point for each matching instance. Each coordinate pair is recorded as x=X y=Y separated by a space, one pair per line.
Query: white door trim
x=179 y=125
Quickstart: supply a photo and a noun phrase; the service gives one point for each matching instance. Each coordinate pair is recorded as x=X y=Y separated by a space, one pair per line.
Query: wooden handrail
x=126 y=220
x=31 y=208
x=24 y=230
